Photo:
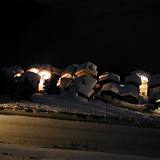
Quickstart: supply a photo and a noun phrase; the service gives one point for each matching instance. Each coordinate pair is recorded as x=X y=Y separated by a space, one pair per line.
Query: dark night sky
x=125 y=34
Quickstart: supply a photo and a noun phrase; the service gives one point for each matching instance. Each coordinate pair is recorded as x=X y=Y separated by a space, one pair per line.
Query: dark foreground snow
x=80 y=106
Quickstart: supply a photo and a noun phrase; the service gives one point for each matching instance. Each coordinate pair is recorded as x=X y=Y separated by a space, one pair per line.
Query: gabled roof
x=87 y=68
x=70 y=70
x=129 y=90
x=84 y=85
x=108 y=76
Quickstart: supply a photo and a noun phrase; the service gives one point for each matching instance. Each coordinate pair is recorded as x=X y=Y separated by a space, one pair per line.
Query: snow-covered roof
x=64 y=83
x=11 y=71
x=86 y=68
x=108 y=76
x=129 y=90
x=34 y=78
x=84 y=85
x=133 y=79
x=112 y=86
x=70 y=70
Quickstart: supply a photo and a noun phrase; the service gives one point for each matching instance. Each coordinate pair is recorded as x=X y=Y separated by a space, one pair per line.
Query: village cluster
x=138 y=88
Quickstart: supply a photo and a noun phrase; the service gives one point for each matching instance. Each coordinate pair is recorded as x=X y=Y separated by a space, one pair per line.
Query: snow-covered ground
x=65 y=103
x=72 y=104
x=97 y=107
x=19 y=152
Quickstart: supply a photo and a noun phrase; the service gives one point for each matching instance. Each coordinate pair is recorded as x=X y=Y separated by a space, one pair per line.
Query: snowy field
x=67 y=107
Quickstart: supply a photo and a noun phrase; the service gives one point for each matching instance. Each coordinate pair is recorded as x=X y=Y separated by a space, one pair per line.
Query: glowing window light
x=143 y=88
x=45 y=75
x=66 y=75
x=34 y=70
x=157 y=101
x=59 y=82
x=17 y=75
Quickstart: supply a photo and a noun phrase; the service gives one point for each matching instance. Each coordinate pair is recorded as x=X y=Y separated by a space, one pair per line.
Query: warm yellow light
x=143 y=78
x=158 y=100
x=66 y=75
x=45 y=75
x=17 y=75
x=144 y=86
x=34 y=70
x=59 y=82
